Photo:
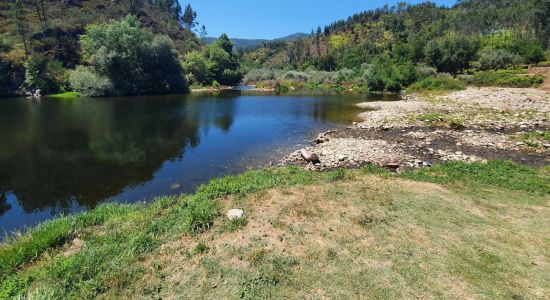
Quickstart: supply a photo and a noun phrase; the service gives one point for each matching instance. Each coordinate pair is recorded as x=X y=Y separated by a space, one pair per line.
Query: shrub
x=390 y=75
x=48 y=76
x=296 y=76
x=86 y=82
x=494 y=59
x=505 y=79
x=440 y=83
x=322 y=77
x=259 y=75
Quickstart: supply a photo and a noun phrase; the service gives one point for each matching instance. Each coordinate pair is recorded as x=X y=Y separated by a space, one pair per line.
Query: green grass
x=65 y=95
x=436 y=119
x=495 y=174
x=506 y=78
x=436 y=84
x=129 y=250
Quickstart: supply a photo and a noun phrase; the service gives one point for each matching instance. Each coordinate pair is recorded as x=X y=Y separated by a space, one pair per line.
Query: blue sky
x=273 y=19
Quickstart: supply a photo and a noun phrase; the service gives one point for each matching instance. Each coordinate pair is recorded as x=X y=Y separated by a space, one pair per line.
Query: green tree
x=18 y=15
x=135 y=60
x=451 y=53
x=196 y=68
x=225 y=43
x=189 y=17
x=392 y=75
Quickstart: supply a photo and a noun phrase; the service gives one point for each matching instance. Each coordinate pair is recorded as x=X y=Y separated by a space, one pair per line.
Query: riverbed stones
x=235 y=214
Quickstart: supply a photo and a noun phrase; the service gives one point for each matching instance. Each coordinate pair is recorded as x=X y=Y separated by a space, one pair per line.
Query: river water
x=62 y=156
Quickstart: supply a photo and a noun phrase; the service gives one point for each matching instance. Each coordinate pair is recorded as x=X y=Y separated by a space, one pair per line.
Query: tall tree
x=18 y=15
x=41 y=12
x=203 y=33
x=189 y=17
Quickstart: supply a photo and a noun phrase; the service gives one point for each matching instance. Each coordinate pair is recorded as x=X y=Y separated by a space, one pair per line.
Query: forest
x=78 y=47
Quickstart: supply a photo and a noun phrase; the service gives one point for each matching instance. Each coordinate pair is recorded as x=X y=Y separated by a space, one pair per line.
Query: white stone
x=234 y=214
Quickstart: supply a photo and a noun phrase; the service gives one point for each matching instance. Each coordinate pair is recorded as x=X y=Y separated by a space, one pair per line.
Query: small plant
x=233 y=225
x=201 y=248
x=504 y=78
x=336 y=175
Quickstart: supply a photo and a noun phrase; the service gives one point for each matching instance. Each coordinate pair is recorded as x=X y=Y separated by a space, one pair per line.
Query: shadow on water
x=59 y=156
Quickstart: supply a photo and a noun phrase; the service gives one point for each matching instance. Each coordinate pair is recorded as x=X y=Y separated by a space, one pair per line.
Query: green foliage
x=439 y=83
x=213 y=63
x=503 y=174
x=336 y=175
x=87 y=82
x=386 y=74
x=131 y=58
x=451 y=53
x=505 y=79
x=47 y=75
x=495 y=59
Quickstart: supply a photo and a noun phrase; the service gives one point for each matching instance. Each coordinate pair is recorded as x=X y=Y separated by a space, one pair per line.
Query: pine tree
x=18 y=15
x=189 y=17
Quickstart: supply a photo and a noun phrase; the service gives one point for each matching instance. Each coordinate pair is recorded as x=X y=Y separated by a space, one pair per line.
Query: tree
x=451 y=53
x=189 y=17
x=18 y=15
x=133 y=59
x=41 y=12
x=203 y=33
x=225 y=43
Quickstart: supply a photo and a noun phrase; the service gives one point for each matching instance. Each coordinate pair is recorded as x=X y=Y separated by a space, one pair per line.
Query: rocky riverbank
x=476 y=124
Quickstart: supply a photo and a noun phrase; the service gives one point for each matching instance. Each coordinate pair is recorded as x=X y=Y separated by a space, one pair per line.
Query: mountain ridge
x=257 y=43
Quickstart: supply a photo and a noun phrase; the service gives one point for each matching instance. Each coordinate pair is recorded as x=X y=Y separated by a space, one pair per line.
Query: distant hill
x=257 y=43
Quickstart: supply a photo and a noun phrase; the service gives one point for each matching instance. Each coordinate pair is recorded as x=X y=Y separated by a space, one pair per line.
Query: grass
x=65 y=95
x=506 y=78
x=533 y=138
x=434 y=119
x=451 y=231
x=436 y=84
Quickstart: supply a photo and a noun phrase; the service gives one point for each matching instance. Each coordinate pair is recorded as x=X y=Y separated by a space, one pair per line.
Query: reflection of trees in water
x=86 y=151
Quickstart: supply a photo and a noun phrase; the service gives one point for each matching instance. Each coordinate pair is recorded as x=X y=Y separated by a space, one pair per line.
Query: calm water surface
x=62 y=156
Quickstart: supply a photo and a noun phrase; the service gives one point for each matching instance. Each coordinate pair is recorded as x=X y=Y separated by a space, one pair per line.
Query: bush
x=441 y=83
x=319 y=77
x=260 y=75
x=494 y=59
x=390 y=75
x=505 y=79
x=86 y=82
x=48 y=76
x=295 y=76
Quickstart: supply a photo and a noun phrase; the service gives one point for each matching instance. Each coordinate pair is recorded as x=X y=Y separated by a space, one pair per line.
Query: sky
x=268 y=19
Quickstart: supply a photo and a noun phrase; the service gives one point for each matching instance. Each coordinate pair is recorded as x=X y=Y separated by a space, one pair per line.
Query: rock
x=175 y=186
x=234 y=214
x=546 y=145
x=342 y=157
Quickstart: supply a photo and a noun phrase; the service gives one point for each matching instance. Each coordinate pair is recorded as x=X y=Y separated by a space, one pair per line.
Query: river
x=63 y=156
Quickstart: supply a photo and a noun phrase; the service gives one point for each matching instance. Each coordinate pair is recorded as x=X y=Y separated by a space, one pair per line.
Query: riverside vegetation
x=455 y=230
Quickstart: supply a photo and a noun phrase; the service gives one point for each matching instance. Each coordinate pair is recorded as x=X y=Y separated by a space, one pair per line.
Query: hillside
x=257 y=43
x=52 y=28
x=403 y=31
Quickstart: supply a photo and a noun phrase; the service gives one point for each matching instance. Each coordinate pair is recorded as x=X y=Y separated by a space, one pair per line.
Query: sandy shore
x=476 y=124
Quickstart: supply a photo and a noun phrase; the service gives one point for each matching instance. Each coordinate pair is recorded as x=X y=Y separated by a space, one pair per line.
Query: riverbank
x=452 y=231
x=477 y=124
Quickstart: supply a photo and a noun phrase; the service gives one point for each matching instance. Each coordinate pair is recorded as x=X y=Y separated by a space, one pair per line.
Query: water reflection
x=57 y=156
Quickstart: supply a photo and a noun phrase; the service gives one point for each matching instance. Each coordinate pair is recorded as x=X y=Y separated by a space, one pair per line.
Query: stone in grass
x=235 y=214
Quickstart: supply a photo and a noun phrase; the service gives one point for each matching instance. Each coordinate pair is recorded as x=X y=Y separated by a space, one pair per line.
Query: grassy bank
x=452 y=231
